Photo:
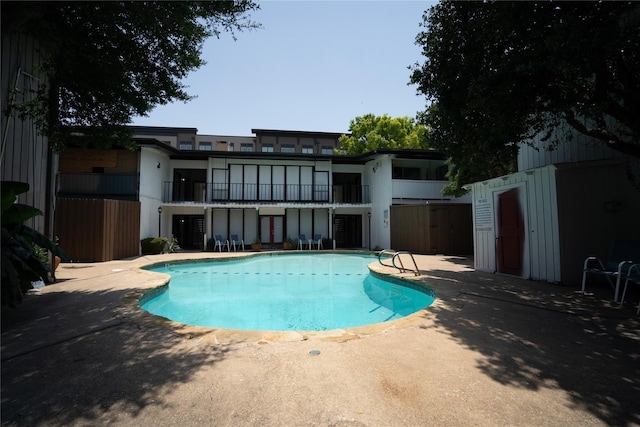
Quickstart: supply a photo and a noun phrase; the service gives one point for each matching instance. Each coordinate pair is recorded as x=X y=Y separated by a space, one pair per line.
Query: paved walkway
x=492 y=350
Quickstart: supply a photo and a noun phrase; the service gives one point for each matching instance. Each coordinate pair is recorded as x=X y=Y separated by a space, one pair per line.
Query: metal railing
x=255 y=193
x=98 y=185
x=396 y=255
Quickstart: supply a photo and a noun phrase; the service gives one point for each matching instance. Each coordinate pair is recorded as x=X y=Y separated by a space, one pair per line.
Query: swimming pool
x=285 y=292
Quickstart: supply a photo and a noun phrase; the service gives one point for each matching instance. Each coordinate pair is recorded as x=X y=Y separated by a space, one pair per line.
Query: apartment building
x=270 y=186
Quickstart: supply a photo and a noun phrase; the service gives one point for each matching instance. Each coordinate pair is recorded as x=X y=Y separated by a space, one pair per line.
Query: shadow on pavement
x=90 y=366
x=537 y=335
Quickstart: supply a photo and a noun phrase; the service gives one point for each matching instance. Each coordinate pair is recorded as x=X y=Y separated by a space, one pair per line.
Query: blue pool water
x=309 y=292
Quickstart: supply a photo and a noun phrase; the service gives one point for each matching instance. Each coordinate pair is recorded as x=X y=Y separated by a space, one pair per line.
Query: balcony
x=185 y=192
x=403 y=190
x=98 y=186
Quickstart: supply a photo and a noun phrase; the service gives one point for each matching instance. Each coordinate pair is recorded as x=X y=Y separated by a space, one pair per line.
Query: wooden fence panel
x=98 y=229
x=25 y=153
x=432 y=229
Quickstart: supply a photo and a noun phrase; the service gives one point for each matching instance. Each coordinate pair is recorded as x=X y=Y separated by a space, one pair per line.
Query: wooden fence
x=98 y=229
x=432 y=229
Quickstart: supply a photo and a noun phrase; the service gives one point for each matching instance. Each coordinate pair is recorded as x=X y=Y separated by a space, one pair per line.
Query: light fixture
x=159 y=221
x=158 y=165
x=369 y=228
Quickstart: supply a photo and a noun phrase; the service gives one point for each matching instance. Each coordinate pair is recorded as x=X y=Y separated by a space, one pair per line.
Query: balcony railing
x=265 y=193
x=98 y=185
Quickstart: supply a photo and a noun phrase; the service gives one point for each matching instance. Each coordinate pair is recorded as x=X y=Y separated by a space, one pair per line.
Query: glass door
x=271 y=230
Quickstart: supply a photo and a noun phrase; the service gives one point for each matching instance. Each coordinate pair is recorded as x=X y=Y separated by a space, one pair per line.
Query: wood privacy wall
x=25 y=153
x=98 y=229
x=432 y=229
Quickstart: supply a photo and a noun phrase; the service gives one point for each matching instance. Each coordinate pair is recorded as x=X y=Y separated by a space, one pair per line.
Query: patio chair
x=634 y=277
x=302 y=241
x=236 y=242
x=623 y=254
x=220 y=243
x=317 y=240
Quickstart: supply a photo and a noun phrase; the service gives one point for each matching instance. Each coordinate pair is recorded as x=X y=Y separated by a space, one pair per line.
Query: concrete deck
x=492 y=350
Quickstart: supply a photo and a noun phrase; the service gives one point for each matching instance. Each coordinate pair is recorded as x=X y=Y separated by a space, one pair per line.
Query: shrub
x=22 y=262
x=153 y=245
x=211 y=243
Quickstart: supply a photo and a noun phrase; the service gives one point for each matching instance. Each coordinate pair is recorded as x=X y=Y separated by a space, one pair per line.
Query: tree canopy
x=370 y=132
x=107 y=62
x=495 y=74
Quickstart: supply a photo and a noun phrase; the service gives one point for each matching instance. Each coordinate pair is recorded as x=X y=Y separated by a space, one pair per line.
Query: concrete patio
x=492 y=350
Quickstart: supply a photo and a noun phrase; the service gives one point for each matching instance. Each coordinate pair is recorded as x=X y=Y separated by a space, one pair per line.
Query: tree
x=107 y=62
x=498 y=73
x=370 y=132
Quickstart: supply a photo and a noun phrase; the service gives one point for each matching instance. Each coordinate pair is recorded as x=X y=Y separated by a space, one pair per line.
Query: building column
x=207 y=226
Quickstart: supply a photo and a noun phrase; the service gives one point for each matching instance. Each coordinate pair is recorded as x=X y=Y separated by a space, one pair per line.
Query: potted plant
x=288 y=243
x=256 y=245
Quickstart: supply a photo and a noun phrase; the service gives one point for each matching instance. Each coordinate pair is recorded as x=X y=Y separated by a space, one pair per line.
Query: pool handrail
x=396 y=255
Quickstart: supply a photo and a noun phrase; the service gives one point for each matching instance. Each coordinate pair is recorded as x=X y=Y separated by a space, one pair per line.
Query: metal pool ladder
x=396 y=256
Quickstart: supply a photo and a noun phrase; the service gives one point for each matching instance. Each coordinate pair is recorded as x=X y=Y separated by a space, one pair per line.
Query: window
x=307 y=149
x=287 y=148
x=232 y=146
x=441 y=172
x=205 y=146
x=327 y=149
x=267 y=148
x=186 y=145
x=246 y=147
x=406 y=173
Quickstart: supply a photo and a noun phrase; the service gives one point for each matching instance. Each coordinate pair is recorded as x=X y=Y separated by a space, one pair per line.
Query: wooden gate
x=437 y=228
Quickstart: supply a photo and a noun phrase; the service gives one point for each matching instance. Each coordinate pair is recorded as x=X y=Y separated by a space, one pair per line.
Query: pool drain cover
x=314 y=352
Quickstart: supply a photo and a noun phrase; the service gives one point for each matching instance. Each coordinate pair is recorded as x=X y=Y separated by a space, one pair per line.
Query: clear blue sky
x=314 y=66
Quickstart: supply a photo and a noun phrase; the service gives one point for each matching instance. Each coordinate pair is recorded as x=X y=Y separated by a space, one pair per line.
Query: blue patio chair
x=235 y=242
x=634 y=277
x=302 y=240
x=317 y=240
x=220 y=243
x=623 y=254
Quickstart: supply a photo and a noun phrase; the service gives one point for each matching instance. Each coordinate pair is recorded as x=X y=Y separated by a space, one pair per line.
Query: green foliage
x=107 y=62
x=153 y=245
x=289 y=243
x=371 y=132
x=498 y=73
x=41 y=253
x=173 y=245
x=22 y=262
x=211 y=243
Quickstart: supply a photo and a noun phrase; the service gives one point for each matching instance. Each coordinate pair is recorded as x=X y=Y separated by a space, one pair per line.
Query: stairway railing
x=397 y=259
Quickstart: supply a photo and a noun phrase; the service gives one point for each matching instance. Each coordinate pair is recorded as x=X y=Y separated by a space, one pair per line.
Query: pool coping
x=131 y=310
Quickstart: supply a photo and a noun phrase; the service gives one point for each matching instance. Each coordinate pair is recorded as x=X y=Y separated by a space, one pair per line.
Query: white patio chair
x=623 y=254
x=634 y=277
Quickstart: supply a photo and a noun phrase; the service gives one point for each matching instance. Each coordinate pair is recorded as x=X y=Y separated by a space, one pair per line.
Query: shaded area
x=59 y=367
x=538 y=335
x=68 y=361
